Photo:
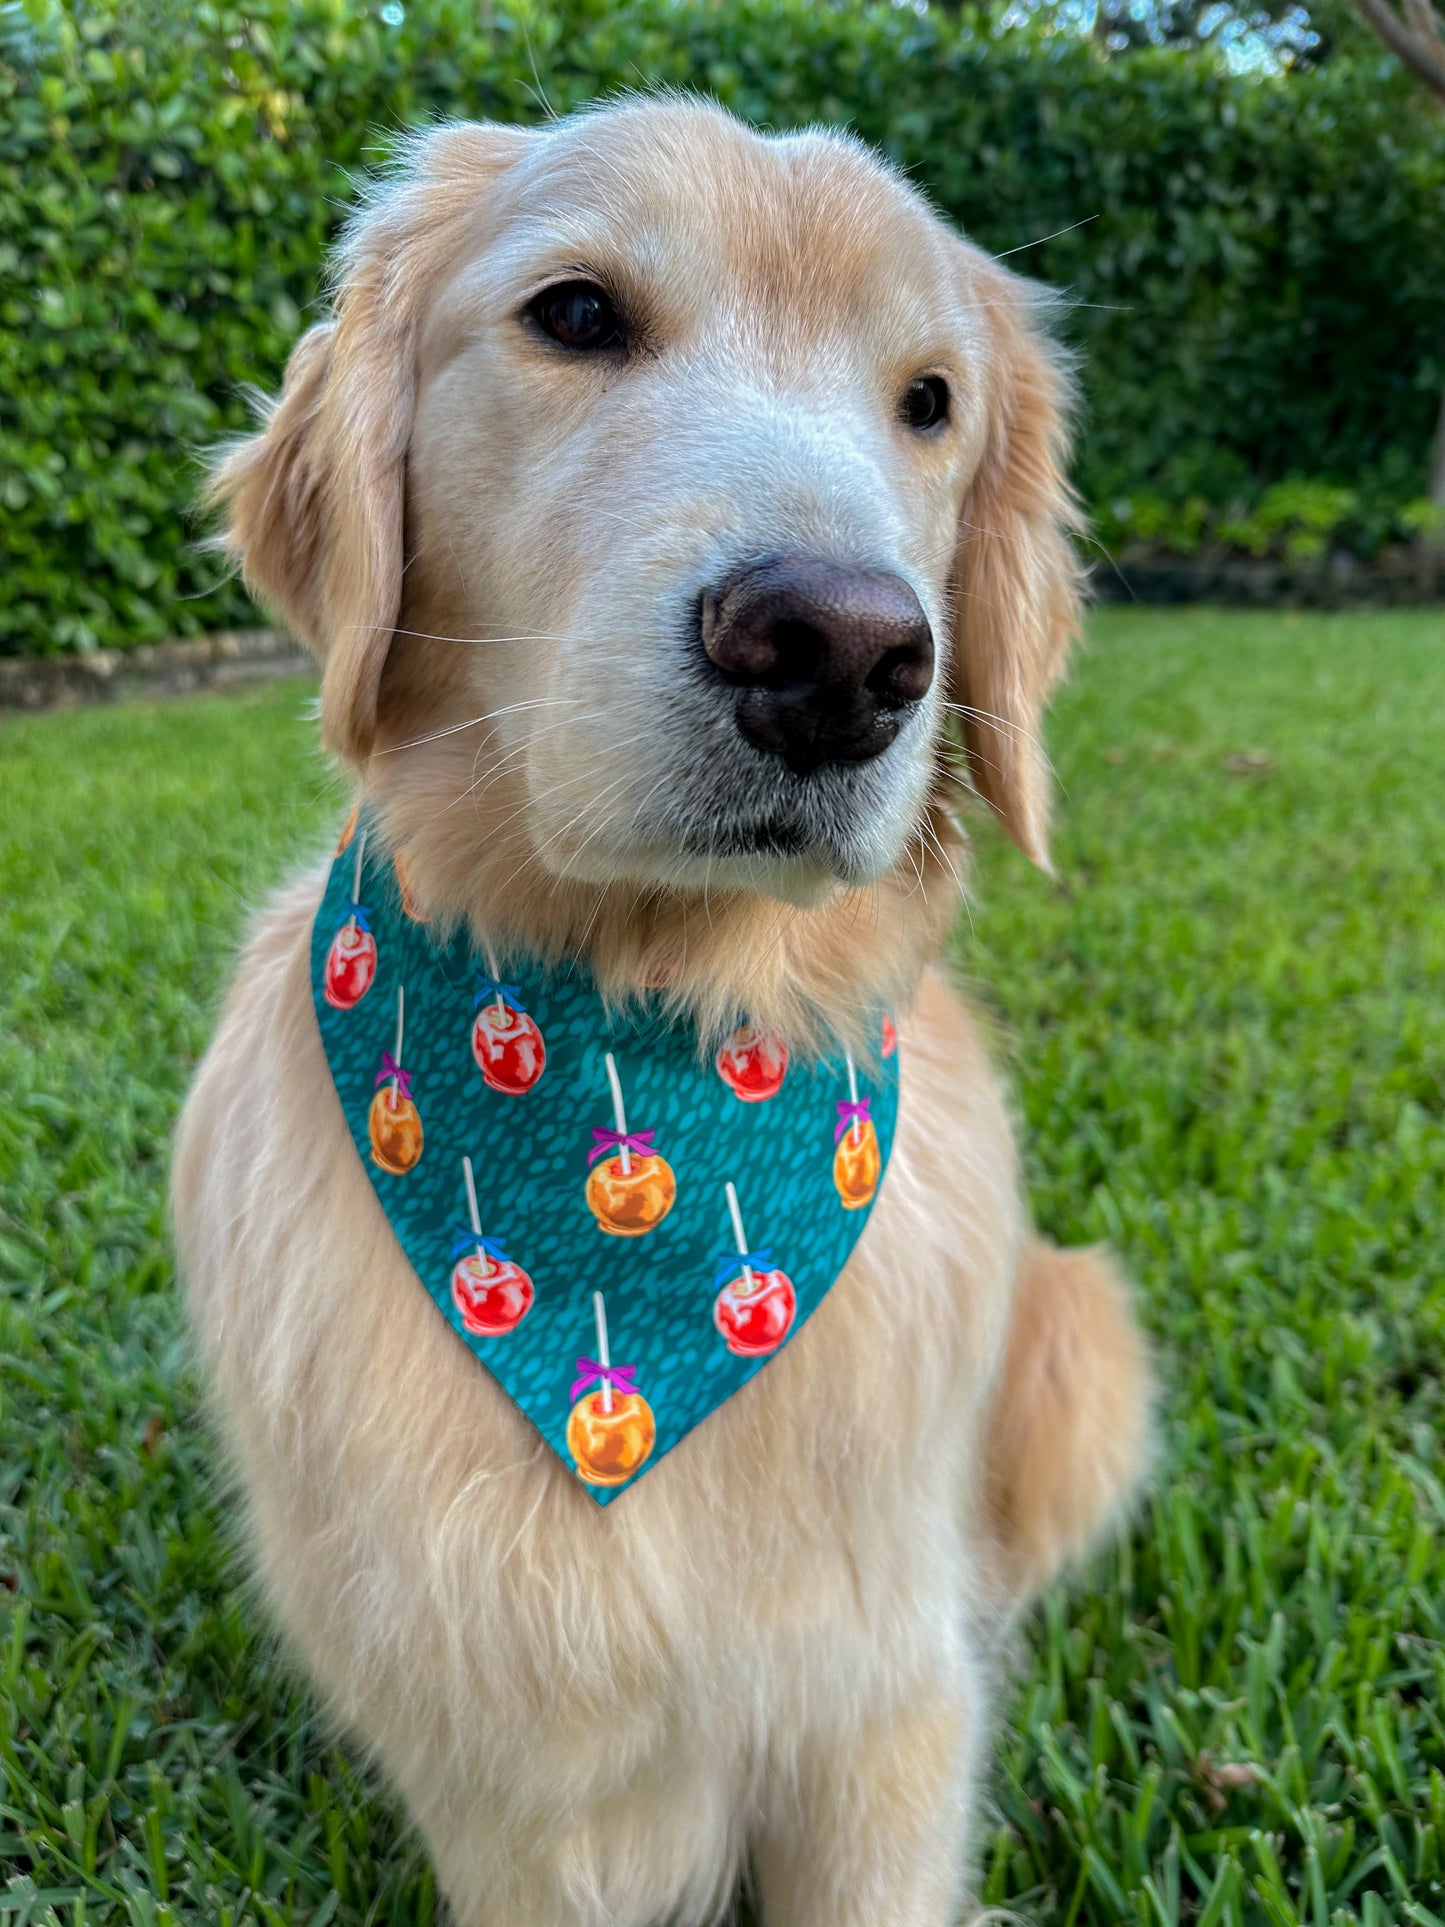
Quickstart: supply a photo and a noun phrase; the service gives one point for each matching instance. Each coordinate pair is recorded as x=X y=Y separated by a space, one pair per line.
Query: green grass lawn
x=1227 y=1028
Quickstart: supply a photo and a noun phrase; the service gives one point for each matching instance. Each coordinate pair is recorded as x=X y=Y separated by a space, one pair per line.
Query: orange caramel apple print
x=509 y=1049
x=754 y=1311
x=857 y=1164
x=395 y=1127
x=348 y=830
x=394 y=1121
x=753 y=1063
x=632 y=1192
x=890 y=1034
x=350 y=968
x=401 y=863
x=491 y=1291
x=610 y=1431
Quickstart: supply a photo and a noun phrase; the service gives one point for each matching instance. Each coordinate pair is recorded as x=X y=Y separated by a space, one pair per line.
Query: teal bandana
x=575 y=1188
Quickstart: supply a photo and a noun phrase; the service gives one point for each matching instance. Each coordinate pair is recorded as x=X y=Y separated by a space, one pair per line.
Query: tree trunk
x=1418 y=44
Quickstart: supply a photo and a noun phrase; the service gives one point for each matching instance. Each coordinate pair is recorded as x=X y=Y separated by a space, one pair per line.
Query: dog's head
x=657 y=494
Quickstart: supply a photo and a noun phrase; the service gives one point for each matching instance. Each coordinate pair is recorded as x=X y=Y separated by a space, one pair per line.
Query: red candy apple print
x=506 y=1043
x=350 y=968
x=753 y=1063
x=755 y=1309
x=890 y=1034
x=350 y=962
x=610 y=1432
x=491 y=1291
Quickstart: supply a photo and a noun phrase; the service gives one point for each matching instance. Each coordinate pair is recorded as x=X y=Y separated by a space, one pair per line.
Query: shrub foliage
x=1256 y=264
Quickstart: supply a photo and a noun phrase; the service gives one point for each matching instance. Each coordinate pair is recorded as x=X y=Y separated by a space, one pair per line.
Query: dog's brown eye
x=925 y=402
x=579 y=315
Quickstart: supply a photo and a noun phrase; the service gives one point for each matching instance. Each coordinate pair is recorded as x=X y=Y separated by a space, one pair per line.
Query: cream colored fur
x=776 y=1649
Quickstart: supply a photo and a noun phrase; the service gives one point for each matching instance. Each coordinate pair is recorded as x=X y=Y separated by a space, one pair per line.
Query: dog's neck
x=811 y=974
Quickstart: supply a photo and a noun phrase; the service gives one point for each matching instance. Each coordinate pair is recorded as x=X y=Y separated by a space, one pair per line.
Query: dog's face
x=686 y=476
x=694 y=424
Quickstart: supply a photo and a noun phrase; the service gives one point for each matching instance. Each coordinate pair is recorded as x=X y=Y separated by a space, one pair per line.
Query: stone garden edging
x=232 y=656
x=218 y=661
x=1401 y=579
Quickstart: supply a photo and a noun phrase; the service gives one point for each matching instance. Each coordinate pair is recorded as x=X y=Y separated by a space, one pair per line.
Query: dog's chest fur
x=806 y=1552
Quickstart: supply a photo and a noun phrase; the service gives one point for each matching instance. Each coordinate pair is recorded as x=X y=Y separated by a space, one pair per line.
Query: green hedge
x=1259 y=281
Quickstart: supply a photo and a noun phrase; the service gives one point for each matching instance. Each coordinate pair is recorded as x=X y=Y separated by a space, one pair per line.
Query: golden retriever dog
x=679 y=517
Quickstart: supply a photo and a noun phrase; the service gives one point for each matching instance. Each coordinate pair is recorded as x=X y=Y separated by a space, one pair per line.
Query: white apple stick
x=604 y=1357
x=619 y=1118
x=853 y=1099
x=494 y=971
x=356 y=873
x=735 y=1213
x=475 y=1215
x=400 y=1027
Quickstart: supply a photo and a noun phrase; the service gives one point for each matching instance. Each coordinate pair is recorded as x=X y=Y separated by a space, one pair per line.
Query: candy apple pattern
x=394 y=1123
x=492 y=1294
x=630 y=1187
x=351 y=961
x=755 y=1309
x=890 y=1035
x=514 y=1278
x=611 y=1430
x=491 y=1291
x=753 y=1063
x=857 y=1161
x=506 y=1043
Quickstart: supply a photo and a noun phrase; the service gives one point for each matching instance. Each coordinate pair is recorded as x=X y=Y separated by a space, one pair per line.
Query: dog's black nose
x=827 y=660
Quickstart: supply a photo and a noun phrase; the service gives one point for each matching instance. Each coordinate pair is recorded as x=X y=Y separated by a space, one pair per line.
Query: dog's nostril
x=826 y=657
x=902 y=676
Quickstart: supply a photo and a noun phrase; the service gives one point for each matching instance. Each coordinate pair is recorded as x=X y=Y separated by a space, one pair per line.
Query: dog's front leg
x=664 y=1846
x=869 y=1831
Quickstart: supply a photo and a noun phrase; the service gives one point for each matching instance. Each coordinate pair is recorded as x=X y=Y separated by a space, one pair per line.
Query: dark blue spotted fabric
x=600 y=1278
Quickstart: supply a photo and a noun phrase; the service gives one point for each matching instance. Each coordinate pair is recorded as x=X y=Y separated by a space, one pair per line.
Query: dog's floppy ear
x=1017 y=578
x=314 y=502
x=314 y=505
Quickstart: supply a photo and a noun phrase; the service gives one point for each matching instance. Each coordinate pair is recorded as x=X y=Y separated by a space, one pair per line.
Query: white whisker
x=430 y=635
x=472 y=722
x=988 y=716
x=1056 y=235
